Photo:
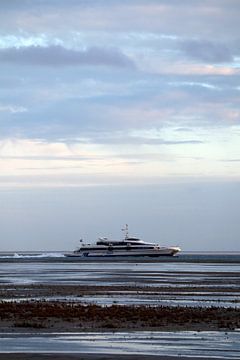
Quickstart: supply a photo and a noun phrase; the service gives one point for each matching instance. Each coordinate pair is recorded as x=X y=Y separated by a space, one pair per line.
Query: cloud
x=60 y=56
x=13 y=109
x=230 y=160
x=207 y=51
x=140 y=140
x=212 y=19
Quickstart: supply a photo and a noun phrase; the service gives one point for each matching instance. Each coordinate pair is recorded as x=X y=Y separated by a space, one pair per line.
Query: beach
x=91 y=357
x=49 y=356
x=95 y=310
x=64 y=316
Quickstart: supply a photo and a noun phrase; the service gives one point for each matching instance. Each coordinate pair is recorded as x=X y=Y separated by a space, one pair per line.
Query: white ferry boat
x=129 y=246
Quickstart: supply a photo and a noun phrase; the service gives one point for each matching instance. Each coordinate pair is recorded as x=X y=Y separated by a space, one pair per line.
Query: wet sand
x=62 y=356
x=62 y=316
x=25 y=307
x=52 y=299
x=40 y=290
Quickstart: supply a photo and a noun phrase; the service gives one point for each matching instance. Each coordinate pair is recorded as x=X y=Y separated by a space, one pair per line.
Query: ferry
x=128 y=246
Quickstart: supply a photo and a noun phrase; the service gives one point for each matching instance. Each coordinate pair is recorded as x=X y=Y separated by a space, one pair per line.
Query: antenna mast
x=126 y=231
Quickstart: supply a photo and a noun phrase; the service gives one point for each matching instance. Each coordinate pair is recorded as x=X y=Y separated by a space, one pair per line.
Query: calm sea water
x=193 y=257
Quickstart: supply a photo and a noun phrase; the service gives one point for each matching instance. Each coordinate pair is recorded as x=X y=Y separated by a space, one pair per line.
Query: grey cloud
x=60 y=56
x=50 y=158
x=212 y=18
x=207 y=51
x=230 y=160
x=179 y=142
x=138 y=140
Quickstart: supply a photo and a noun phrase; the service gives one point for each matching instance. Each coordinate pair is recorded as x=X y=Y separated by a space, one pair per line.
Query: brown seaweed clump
x=34 y=314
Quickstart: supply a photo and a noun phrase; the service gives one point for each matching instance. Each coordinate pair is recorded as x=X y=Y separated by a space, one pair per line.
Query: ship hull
x=132 y=253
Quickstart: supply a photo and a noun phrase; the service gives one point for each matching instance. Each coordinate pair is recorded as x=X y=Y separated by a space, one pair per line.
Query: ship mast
x=126 y=231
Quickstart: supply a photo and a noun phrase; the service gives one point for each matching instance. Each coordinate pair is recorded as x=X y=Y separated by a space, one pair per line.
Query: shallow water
x=126 y=273
x=184 y=279
x=185 y=343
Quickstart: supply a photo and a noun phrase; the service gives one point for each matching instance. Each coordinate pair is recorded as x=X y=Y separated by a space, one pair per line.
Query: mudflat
x=50 y=316
x=70 y=300
x=62 y=356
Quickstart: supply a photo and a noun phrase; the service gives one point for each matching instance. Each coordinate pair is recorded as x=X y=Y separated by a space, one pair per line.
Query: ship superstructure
x=128 y=246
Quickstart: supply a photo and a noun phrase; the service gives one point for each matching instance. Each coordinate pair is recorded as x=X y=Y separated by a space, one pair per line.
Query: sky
x=115 y=112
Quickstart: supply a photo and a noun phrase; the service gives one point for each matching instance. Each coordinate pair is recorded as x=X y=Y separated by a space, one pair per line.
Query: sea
x=196 y=279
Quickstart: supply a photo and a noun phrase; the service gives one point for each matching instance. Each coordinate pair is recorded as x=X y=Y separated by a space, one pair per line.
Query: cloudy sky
x=119 y=111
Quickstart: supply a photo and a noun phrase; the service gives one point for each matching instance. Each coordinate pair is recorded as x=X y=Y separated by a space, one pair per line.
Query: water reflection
x=185 y=343
x=188 y=284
